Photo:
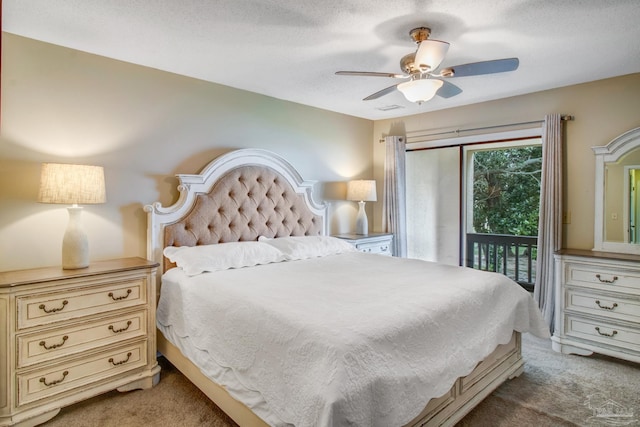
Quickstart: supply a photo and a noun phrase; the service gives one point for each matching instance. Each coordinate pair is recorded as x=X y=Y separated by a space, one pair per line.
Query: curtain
x=550 y=220
x=394 y=202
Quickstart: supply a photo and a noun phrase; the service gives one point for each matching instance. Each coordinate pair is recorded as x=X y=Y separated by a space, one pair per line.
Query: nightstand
x=375 y=243
x=67 y=335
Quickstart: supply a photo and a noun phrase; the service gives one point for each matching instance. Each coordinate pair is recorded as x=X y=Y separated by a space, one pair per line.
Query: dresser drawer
x=603 y=332
x=46 y=308
x=601 y=277
x=49 y=382
x=375 y=243
x=614 y=306
x=375 y=246
x=46 y=346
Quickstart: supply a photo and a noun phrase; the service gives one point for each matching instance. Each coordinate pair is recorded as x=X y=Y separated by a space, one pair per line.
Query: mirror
x=617 y=194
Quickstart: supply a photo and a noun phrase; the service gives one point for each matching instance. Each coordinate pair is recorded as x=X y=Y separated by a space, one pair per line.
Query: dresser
x=375 y=243
x=67 y=335
x=597 y=304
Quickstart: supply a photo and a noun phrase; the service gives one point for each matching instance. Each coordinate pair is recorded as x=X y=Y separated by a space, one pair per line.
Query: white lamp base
x=75 y=246
x=362 y=224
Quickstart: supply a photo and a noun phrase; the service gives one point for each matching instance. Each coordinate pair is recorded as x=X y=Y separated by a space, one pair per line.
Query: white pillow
x=303 y=247
x=223 y=256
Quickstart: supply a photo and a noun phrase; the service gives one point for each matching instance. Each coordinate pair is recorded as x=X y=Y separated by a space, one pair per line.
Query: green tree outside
x=506 y=190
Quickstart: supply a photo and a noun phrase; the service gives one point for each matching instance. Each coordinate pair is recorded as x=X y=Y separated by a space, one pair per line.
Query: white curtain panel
x=394 y=217
x=550 y=221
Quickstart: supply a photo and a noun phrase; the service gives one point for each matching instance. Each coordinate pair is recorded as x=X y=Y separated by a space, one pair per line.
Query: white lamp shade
x=420 y=90
x=361 y=190
x=71 y=184
x=430 y=53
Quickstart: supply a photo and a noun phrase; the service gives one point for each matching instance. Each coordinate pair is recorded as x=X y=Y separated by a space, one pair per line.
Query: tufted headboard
x=237 y=197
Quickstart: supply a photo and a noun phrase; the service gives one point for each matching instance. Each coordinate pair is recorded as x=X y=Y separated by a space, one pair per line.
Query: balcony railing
x=513 y=256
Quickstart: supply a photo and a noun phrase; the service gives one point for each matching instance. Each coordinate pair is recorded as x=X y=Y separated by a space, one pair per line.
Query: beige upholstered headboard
x=237 y=197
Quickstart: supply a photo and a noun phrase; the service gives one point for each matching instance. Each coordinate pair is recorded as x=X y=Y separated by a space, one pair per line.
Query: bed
x=280 y=324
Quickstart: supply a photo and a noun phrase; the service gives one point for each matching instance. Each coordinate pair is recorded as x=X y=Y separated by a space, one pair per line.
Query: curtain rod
x=457 y=131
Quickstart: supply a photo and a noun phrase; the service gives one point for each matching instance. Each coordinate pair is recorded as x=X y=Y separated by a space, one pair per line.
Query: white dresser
x=597 y=304
x=67 y=335
x=375 y=243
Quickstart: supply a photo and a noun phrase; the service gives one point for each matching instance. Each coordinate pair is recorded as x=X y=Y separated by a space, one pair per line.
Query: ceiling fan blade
x=448 y=90
x=370 y=74
x=380 y=93
x=479 y=68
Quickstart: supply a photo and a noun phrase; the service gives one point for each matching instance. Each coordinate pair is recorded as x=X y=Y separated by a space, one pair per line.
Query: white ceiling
x=290 y=49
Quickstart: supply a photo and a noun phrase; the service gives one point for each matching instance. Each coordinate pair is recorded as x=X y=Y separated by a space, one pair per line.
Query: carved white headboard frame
x=191 y=186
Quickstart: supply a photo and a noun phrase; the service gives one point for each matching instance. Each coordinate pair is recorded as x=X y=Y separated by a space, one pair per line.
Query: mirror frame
x=612 y=152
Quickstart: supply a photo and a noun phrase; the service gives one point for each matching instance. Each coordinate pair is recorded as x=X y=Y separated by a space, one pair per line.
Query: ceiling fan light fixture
x=420 y=90
x=431 y=53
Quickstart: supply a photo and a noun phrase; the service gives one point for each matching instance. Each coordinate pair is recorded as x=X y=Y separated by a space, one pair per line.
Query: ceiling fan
x=423 y=81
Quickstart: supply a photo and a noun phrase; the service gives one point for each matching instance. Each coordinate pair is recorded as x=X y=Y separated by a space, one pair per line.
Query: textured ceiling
x=290 y=49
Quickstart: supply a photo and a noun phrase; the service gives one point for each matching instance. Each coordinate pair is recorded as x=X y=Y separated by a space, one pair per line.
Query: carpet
x=555 y=390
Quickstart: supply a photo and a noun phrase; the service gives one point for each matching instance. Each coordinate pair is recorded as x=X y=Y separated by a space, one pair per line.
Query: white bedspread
x=351 y=339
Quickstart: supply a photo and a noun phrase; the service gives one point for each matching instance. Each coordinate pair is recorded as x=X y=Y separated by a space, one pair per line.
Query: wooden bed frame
x=207 y=193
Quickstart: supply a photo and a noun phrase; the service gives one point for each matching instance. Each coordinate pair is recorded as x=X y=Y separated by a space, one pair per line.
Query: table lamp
x=361 y=191
x=72 y=184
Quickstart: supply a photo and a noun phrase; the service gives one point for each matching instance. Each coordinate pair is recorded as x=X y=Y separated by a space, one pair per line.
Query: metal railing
x=513 y=256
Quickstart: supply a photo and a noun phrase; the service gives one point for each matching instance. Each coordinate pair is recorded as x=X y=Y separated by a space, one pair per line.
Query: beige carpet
x=555 y=390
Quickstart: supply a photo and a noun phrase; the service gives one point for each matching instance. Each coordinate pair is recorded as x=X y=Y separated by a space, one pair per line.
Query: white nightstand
x=375 y=243
x=68 y=335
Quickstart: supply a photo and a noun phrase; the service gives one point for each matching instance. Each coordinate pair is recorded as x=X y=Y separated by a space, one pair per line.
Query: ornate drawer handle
x=604 y=334
x=52 y=346
x=53 y=310
x=122 y=297
x=122 y=329
x=605 y=280
x=120 y=362
x=606 y=307
x=43 y=380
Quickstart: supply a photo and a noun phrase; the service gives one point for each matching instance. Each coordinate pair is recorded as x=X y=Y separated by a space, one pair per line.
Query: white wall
x=143 y=126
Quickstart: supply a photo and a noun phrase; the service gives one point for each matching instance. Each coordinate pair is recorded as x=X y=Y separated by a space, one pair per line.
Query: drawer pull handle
x=605 y=280
x=604 y=334
x=53 y=310
x=120 y=362
x=52 y=346
x=43 y=380
x=606 y=307
x=122 y=297
x=122 y=329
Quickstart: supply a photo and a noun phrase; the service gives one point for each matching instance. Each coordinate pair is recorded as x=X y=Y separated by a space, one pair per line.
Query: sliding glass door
x=476 y=204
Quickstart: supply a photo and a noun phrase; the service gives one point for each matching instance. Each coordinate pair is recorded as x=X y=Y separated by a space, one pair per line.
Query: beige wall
x=602 y=110
x=143 y=126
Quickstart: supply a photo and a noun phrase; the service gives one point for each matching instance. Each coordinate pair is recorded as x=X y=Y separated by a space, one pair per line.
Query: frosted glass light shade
x=430 y=53
x=361 y=190
x=420 y=90
x=73 y=184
